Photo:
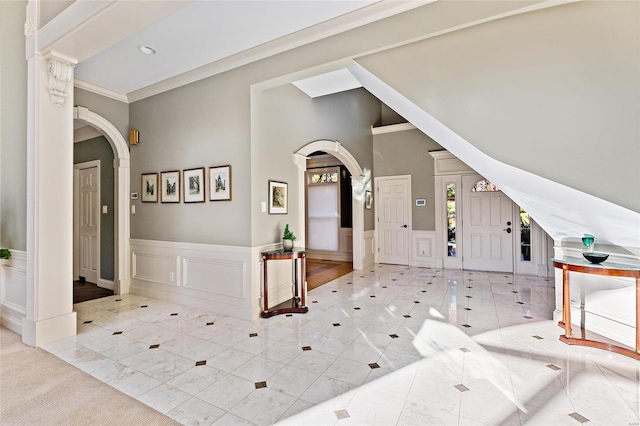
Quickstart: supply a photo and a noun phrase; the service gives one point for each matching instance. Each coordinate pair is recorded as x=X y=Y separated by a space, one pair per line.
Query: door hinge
x=378 y=249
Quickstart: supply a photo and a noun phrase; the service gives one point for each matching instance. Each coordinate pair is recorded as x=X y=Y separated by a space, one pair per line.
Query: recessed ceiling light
x=147 y=50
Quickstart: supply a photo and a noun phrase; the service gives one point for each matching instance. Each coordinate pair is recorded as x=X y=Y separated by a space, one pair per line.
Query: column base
x=39 y=333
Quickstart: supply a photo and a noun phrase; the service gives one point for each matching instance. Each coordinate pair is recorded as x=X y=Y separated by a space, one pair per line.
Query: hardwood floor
x=322 y=271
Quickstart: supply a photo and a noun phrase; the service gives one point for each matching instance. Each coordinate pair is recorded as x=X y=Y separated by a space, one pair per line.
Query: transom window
x=484 y=186
x=317 y=178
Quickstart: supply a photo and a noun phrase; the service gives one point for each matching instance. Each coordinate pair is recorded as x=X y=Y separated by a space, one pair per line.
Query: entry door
x=394 y=219
x=88 y=224
x=487 y=228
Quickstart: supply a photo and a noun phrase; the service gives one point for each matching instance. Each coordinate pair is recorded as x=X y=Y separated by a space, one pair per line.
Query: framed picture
x=368 y=200
x=194 y=188
x=170 y=187
x=278 y=197
x=220 y=183
x=149 y=188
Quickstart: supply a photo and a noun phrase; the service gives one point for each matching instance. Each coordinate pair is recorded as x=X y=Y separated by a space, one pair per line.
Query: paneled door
x=88 y=224
x=487 y=226
x=393 y=211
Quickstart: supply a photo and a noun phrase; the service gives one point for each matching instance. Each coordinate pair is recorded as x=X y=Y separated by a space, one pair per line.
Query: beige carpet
x=36 y=388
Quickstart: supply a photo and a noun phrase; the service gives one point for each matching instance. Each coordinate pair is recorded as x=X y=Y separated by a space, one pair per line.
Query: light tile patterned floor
x=432 y=347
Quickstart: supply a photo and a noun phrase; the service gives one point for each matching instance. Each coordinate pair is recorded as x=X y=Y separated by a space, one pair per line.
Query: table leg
x=265 y=297
x=303 y=285
x=566 y=302
x=295 y=283
x=638 y=315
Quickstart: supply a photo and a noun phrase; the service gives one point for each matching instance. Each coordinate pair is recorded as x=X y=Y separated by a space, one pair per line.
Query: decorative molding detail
x=100 y=90
x=60 y=73
x=392 y=128
x=29 y=28
x=85 y=133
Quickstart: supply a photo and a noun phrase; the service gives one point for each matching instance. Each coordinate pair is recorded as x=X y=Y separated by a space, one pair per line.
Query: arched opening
x=358 y=184
x=121 y=185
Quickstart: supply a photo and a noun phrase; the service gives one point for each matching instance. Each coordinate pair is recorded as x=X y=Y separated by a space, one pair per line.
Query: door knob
x=403 y=226
x=508 y=230
x=509 y=223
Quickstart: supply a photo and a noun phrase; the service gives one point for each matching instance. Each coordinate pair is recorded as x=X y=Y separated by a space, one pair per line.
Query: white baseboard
x=108 y=284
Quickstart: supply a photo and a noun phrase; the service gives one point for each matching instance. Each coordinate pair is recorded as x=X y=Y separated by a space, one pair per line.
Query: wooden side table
x=297 y=304
x=606 y=269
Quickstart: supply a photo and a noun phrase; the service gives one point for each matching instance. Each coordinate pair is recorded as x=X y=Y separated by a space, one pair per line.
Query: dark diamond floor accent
x=336 y=324
x=553 y=367
x=306 y=348
x=394 y=336
x=469 y=287
x=372 y=296
x=384 y=286
x=467 y=309
x=144 y=306
x=253 y=334
x=154 y=346
x=173 y=315
x=209 y=323
x=289 y=315
x=199 y=363
x=469 y=297
x=465 y=350
x=407 y=316
x=117 y=332
x=334 y=291
x=342 y=414
x=527 y=316
x=466 y=325
x=423 y=291
x=314 y=301
x=374 y=365
x=357 y=309
x=88 y=322
x=461 y=388
x=513 y=291
x=579 y=417
x=520 y=303
x=416 y=301
x=118 y=300
x=538 y=337
x=393 y=279
x=261 y=385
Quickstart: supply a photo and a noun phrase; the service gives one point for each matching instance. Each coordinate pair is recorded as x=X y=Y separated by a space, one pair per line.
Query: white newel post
x=50 y=313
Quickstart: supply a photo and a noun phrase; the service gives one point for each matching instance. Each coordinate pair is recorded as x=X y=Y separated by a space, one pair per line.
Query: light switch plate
x=264 y=207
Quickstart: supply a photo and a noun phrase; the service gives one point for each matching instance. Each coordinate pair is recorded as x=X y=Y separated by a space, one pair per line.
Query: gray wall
x=115 y=111
x=13 y=126
x=407 y=153
x=203 y=124
x=560 y=101
x=284 y=121
x=100 y=149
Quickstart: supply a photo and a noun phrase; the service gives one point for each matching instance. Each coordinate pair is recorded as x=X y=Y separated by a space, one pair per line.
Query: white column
x=50 y=313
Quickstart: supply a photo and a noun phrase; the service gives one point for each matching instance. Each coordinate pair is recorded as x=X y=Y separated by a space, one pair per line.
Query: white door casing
x=487 y=219
x=88 y=222
x=393 y=218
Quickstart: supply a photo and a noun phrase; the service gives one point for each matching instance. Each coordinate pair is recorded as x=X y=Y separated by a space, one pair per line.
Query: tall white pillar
x=50 y=313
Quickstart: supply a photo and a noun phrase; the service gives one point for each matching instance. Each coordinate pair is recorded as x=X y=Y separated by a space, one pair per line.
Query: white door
x=487 y=228
x=88 y=224
x=393 y=210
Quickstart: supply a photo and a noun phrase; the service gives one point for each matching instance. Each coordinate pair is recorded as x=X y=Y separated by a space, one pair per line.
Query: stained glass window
x=484 y=186
x=317 y=178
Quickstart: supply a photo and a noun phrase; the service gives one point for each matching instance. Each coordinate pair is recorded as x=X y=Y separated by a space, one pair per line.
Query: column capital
x=60 y=74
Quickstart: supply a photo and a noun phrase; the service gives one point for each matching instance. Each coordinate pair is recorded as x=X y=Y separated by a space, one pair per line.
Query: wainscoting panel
x=204 y=276
x=214 y=276
x=13 y=291
x=423 y=253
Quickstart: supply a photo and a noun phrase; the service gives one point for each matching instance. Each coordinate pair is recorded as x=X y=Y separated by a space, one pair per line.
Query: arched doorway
x=122 y=186
x=357 y=182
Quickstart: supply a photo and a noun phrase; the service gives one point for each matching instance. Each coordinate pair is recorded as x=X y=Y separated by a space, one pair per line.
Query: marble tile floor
x=390 y=345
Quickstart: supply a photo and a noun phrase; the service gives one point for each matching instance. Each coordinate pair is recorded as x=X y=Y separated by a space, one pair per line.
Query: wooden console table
x=606 y=269
x=297 y=304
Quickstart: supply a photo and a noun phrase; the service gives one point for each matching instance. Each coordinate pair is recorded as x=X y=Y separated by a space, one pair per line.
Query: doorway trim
x=358 y=184
x=122 y=185
x=76 y=219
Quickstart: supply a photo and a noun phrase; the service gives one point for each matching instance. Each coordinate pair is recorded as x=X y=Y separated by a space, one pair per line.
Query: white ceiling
x=207 y=31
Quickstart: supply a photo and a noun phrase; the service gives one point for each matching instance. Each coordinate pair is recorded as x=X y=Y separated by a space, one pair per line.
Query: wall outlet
x=170 y=277
x=104 y=209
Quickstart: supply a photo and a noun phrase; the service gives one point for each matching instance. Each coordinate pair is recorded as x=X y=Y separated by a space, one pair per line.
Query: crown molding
x=340 y=24
x=391 y=128
x=100 y=90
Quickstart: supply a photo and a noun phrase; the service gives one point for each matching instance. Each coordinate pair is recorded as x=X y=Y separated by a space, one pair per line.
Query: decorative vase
x=287 y=245
x=587 y=243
